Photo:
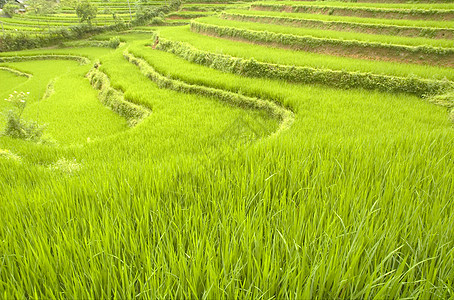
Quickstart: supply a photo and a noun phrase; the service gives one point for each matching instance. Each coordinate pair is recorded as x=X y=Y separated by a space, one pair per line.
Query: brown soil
x=340 y=11
x=410 y=32
x=359 y=53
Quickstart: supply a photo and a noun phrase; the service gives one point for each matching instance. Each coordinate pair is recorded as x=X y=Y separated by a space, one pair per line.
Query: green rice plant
x=373 y=10
x=283 y=115
x=70 y=108
x=368 y=49
x=438 y=30
x=230 y=222
x=371 y=4
x=353 y=200
x=16 y=72
x=340 y=79
x=286 y=57
x=16 y=127
x=330 y=34
x=115 y=99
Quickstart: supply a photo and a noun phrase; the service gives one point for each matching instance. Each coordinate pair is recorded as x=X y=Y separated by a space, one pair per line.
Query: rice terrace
x=222 y=149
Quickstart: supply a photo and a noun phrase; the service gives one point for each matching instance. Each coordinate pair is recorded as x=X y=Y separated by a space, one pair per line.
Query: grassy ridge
x=349 y=48
x=270 y=108
x=115 y=100
x=68 y=107
x=342 y=24
x=371 y=11
x=143 y=218
x=208 y=197
x=339 y=79
x=329 y=34
x=349 y=19
x=287 y=57
x=10 y=79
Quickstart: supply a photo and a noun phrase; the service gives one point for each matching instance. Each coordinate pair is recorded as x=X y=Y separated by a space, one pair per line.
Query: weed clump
x=157 y=21
x=6 y=154
x=113 y=42
x=66 y=166
x=16 y=127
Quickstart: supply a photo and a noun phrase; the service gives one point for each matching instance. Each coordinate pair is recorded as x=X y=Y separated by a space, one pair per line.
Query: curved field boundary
x=15 y=72
x=107 y=95
x=284 y=115
x=365 y=12
x=437 y=33
x=445 y=100
x=114 y=99
x=82 y=60
x=350 y=48
x=306 y=75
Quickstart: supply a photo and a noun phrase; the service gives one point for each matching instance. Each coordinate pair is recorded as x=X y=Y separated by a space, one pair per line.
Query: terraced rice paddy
x=261 y=151
x=108 y=13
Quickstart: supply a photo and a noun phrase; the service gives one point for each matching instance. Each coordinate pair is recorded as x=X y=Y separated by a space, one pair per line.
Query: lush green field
x=172 y=167
x=370 y=5
x=397 y=22
x=329 y=34
x=287 y=57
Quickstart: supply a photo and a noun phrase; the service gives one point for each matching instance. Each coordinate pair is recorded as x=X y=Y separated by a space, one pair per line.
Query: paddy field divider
x=274 y=110
x=410 y=31
x=306 y=75
x=365 y=12
x=115 y=99
x=404 y=53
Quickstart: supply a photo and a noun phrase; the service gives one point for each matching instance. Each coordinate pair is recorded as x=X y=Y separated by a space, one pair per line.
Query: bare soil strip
x=436 y=33
x=365 y=12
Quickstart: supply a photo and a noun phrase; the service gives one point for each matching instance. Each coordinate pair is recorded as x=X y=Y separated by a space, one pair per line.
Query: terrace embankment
x=285 y=116
x=346 y=48
x=115 y=99
x=408 y=31
x=365 y=12
x=307 y=75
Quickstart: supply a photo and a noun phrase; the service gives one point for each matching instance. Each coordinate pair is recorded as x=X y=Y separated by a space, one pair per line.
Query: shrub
x=86 y=11
x=16 y=127
x=66 y=166
x=113 y=42
x=6 y=154
x=157 y=21
x=9 y=9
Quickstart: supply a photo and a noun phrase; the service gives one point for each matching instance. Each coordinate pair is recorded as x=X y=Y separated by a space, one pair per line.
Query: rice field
x=64 y=16
x=214 y=160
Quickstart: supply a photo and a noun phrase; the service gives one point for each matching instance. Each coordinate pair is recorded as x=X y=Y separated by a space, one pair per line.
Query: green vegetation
x=439 y=30
x=175 y=164
x=413 y=6
x=37 y=29
x=16 y=127
x=348 y=19
x=399 y=11
x=327 y=34
x=86 y=11
x=286 y=57
x=363 y=49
